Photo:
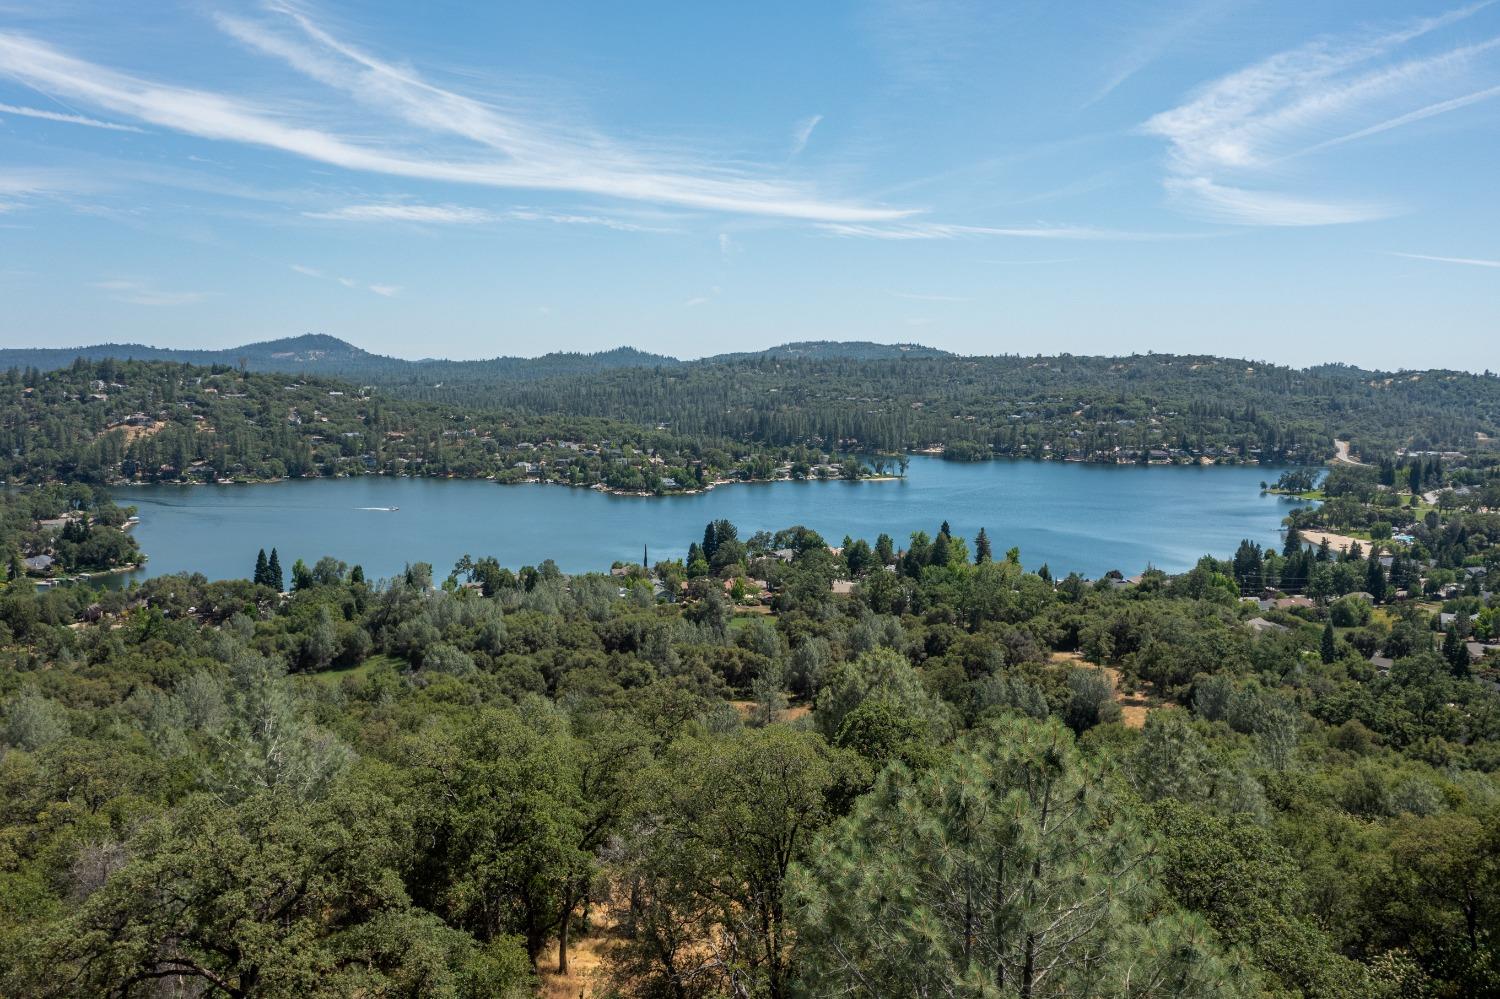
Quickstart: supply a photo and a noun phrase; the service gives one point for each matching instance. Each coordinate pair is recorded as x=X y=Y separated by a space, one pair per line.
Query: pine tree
x=981 y=548
x=274 y=576
x=262 y=569
x=1008 y=869
x=1454 y=652
x=1329 y=649
x=1293 y=544
x=1375 y=576
x=942 y=549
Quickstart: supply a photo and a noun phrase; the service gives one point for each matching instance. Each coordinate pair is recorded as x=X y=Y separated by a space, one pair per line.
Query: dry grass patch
x=587 y=975
x=1134 y=707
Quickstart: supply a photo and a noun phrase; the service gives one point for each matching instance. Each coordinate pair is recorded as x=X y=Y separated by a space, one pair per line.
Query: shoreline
x=641 y=493
x=1336 y=542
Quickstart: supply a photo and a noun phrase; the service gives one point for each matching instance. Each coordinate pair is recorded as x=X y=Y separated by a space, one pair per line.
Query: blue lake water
x=1088 y=518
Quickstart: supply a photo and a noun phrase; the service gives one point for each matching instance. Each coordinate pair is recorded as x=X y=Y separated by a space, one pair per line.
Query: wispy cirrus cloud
x=383 y=290
x=1226 y=144
x=1465 y=261
x=463 y=215
x=802 y=133
x=1151 y=44
x=144 y=293
x=67 y=119
x=1221 y=203
x=436 y=214
x=945 y=230
x=479 y=143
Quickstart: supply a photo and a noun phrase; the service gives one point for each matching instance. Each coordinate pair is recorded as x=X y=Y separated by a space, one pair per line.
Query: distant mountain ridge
x=316 y=353
x=319 y=354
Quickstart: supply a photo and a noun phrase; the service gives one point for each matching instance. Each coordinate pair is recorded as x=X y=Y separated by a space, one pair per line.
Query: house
x=1290 y=603
x=38 y=563
x=1260 y=626
x=843 y=586
x=783 y=554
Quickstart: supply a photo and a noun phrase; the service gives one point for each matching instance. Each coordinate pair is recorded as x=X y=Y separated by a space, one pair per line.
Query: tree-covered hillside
x=872 y=397
x=157 y=421
x=1087 y=408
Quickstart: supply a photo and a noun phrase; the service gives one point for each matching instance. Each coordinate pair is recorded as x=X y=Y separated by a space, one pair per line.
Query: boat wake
x=379 y=509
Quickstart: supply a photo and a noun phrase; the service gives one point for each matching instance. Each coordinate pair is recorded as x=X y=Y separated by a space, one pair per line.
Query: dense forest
x=871 y=398
x=1151 y=407
x=99 y=422
x=736 y=776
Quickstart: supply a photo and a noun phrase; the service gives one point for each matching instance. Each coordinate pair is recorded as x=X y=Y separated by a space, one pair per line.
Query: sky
x=1285 y=181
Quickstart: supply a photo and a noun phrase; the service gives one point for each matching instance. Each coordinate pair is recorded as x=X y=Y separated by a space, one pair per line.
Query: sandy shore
x=1337 y=542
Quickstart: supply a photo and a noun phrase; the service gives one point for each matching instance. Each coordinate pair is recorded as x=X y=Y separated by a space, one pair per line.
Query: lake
x=1088 y=518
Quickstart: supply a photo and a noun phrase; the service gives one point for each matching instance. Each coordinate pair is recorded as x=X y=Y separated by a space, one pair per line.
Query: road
x=1341 y=457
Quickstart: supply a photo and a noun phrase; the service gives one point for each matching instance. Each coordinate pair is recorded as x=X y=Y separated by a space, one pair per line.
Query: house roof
x=1261 y=626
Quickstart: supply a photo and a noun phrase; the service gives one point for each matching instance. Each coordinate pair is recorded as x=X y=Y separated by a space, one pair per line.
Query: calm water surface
x=1088 y=518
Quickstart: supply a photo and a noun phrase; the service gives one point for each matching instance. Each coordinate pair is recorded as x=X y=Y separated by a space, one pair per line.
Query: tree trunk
x=562 y=940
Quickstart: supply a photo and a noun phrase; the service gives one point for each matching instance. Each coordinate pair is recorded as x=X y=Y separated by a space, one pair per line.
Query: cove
x=1073 y=517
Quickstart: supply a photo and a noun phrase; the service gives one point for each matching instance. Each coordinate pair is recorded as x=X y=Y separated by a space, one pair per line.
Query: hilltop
x=319 y=354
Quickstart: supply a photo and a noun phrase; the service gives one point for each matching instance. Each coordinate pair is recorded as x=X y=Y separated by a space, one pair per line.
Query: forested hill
x=1142 y=407
x=315 y=354
x=905 y=397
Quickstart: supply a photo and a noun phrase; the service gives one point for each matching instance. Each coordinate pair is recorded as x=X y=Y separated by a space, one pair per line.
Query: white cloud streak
x=1153 y=44
x=140 y=293
x=383 y=290
x=943 y=230
x=1430 y=111
x=488 y=147
x=67 y=119
x=462 y=215
x=1466 y=261
x=437 y=214
x=802 y=133
x=1225 y=142
x=1221 y=203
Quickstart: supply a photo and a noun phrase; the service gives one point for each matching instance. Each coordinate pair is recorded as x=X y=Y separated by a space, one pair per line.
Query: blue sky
x=1285 y=181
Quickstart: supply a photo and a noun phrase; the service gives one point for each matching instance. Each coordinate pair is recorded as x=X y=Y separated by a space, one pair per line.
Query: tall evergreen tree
x=1455 y=650
x=275 y=578
x=1329 y=647
x=1375 y=576
x=981 y=548
x=1006 y=870
x=262 y=569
